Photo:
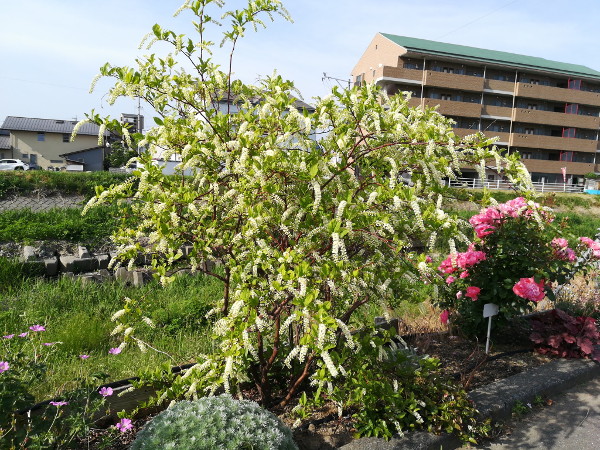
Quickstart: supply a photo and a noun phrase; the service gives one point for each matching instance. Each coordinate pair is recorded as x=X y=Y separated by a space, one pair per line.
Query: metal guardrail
x=475 y=183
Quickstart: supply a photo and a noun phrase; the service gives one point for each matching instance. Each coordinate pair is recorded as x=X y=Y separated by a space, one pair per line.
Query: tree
x=308 y=231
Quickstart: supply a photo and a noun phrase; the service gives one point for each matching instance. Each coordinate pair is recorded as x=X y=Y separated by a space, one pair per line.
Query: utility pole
x=339 y=80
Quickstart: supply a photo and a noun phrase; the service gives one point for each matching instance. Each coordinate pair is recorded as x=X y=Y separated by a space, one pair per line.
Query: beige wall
x=26 y=143
x=380 y=51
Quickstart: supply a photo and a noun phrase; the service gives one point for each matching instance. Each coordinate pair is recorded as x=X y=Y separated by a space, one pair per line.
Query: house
x=47 y=143
x=5 y=144
x=548 y=111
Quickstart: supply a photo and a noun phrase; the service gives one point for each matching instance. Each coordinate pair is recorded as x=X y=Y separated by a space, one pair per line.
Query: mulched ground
x=465 y=360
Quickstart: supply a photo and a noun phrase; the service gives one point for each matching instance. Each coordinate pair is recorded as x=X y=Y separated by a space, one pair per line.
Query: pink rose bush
x=516 y=254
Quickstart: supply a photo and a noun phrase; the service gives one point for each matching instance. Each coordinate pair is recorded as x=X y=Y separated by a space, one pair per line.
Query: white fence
x=474 y=183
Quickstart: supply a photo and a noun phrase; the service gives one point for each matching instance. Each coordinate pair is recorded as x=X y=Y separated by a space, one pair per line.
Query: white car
x=13 y=164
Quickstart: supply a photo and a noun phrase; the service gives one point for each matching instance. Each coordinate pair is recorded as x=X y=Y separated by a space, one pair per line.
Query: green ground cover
x=78 y=318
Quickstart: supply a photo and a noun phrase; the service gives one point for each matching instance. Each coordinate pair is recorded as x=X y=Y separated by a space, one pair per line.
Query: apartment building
x=548 y=111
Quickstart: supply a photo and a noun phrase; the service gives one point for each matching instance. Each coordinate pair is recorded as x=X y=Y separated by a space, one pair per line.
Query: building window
x=66 y=137
x=532 y=106
x=534 y=81
x=529 y=131
x=56 y=161
x=448 y=70
x=41 y=136
x=526 y=155
x=574 y=84
x=446 y=97
x=568 y=132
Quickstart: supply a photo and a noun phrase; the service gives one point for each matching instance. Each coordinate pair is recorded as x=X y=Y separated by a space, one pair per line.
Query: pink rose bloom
x=114 y=351
x=444 y=316
x=559 y=243
x=37 y=328
x=565 y=254
x=483 y=229
x=473 y=292
x=587 y=241
x=446 y=266
x=459 y=295
x=450 y=280
x=464 y=274
x=105 y=392
x=4 y=366
x=428 y=259
x=528 y=289
x=124 y=425
x=592 y=245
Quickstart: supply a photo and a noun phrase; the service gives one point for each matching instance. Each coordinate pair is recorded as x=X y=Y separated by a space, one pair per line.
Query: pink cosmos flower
x=49 y=344
x=105 y=391
x=114 y=351
x=528 y=289
x=4 y=366
x=450 y=280
x=37 y=328
x=473 y=292
x=9 y=336
x=59 y=404
x=84 y=356
x=23 y=334
x=124 y=425
x=444 y=316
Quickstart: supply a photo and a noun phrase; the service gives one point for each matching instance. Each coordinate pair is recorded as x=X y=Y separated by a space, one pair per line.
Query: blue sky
x=52 y=49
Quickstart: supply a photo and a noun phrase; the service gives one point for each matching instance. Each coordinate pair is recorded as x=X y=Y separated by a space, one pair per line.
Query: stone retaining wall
x=41 y=202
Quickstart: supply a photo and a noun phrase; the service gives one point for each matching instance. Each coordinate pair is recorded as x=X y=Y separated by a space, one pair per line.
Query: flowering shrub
x=513 y=260
x=306 y=231
x=557 y=333
x=215 y=422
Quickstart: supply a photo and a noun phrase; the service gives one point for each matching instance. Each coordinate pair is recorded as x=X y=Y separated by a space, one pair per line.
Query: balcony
x=496 y=111
x=554 y=118
x=451 y=108
x=453 y=81
x=545 y=166
x=413 y=76
x=554 y=143
x=557 y=94
x=499 y=86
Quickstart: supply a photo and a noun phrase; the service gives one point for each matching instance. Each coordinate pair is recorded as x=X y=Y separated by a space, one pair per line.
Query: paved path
x=41 y=203
x=571 y=423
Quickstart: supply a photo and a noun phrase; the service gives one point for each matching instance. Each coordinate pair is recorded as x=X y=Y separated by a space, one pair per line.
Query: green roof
x=490 y=56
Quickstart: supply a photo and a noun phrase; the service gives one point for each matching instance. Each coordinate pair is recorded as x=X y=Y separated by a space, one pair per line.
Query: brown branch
x=294 y=387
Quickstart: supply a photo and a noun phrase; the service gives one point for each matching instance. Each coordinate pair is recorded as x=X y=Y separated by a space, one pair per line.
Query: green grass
x=78 y=317
x=57 y=182
x=68 y=224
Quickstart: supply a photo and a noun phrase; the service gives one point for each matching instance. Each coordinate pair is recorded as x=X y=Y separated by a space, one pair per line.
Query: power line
x=476 y=19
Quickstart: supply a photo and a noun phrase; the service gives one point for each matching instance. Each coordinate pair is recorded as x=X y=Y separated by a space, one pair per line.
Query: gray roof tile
x=13 y=123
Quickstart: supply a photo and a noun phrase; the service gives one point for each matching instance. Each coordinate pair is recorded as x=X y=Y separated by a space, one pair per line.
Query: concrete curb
x=495 y=401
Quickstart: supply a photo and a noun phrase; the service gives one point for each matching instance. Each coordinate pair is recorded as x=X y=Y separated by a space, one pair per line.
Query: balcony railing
x=475 y=183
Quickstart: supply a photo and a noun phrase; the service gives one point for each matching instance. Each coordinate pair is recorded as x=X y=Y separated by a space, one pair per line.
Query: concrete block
x=104 y=273
x=123 y=275
x=137 y=278
x=74 y=264
x=87 y=279
x=68 y=275
x=51 y=265
x=103 y=261
x=29 y=253
x=83 y=252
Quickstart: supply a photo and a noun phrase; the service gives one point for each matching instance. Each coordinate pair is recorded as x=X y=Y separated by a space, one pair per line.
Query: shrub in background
x=215 y=422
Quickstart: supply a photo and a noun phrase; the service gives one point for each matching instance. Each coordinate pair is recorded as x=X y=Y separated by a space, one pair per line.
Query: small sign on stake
x=489 y=310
